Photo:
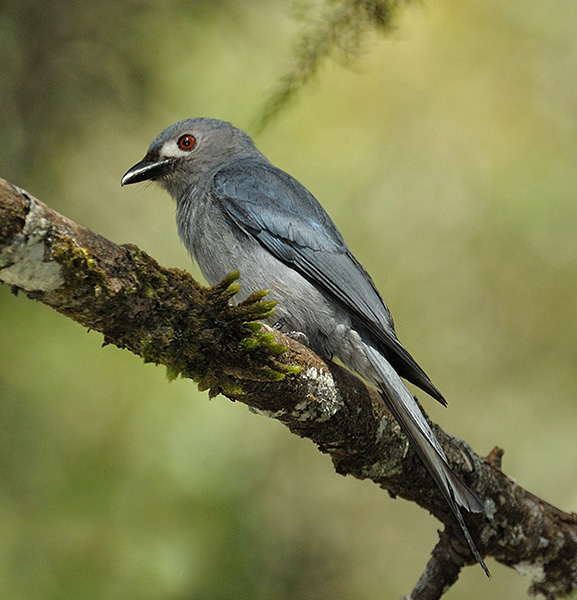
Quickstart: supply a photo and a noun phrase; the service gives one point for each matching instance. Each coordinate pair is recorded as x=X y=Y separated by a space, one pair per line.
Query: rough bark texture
x=166 y=317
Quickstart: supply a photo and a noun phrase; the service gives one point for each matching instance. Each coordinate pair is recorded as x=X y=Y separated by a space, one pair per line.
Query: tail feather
x=413 y=423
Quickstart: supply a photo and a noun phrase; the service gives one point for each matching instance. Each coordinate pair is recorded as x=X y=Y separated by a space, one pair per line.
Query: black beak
x=146 y=169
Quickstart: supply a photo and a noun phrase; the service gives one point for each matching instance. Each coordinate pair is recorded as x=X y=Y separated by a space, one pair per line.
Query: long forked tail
x=414 y=425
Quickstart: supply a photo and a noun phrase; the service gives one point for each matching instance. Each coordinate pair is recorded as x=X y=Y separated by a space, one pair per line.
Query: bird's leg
x=297 y=336
x=280 y=324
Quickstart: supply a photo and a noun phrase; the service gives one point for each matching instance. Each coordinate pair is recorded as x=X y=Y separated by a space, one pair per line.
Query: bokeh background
x=447 y=156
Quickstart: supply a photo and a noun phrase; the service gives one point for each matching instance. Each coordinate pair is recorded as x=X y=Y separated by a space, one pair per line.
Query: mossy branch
x=166 y=317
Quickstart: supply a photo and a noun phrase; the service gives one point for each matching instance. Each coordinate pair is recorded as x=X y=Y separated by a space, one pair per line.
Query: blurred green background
x=448 y=158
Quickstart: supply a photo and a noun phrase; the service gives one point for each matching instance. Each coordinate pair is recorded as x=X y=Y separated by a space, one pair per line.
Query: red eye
x=186 y=142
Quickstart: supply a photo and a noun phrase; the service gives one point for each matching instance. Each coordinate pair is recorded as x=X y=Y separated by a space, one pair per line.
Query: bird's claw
x=280 y=324
x=298 y=336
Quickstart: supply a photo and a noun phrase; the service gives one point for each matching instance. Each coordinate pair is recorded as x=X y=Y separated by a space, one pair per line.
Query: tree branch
x=166 y=317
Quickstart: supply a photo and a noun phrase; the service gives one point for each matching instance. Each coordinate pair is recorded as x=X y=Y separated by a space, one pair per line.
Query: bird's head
x=190 y=151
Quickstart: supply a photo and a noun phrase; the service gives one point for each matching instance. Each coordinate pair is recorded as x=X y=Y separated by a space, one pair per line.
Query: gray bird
x=235 y=210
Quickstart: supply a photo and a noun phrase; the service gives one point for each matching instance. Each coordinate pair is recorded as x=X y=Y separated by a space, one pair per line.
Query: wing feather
x=289 y=222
